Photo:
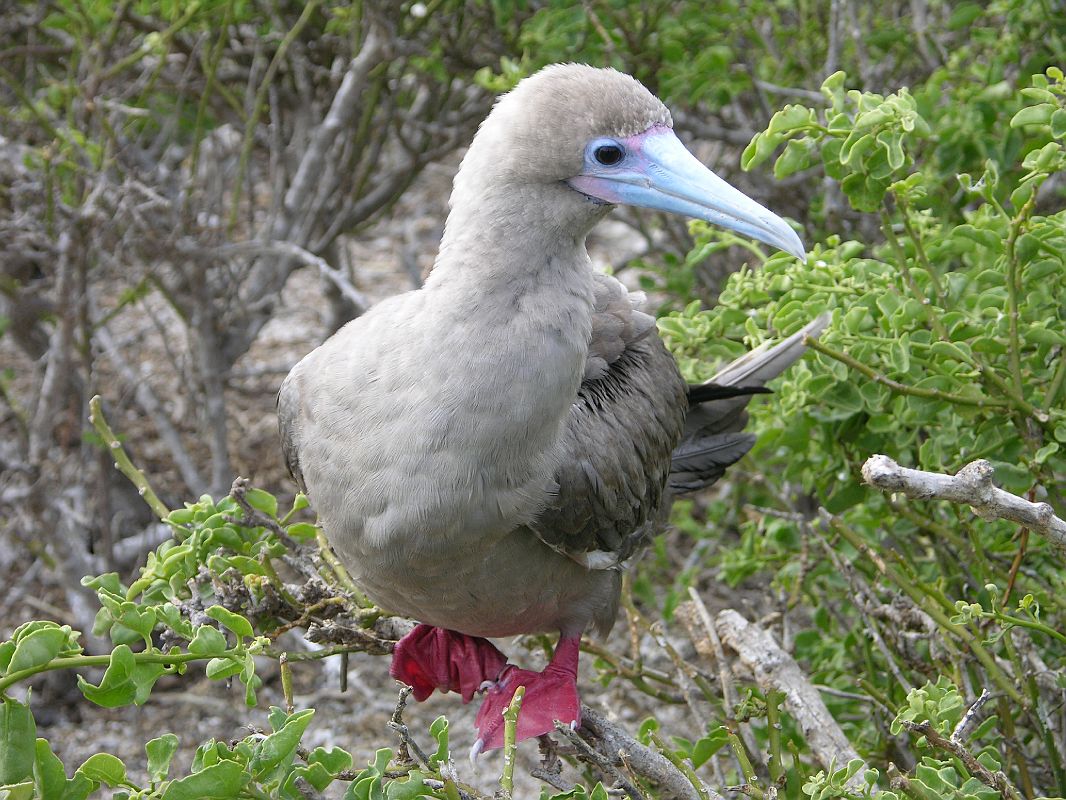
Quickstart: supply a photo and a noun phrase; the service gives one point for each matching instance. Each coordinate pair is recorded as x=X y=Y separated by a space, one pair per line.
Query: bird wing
x=637 y=433
x=620 y=432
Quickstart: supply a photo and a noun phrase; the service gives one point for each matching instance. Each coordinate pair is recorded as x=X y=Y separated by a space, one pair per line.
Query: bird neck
x=498 y=252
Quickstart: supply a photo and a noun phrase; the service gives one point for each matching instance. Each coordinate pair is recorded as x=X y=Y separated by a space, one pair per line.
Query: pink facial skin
x=592 y=182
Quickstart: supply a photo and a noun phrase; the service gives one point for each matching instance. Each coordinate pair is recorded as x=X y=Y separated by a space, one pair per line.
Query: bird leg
x=550 y=695
x=431 y=658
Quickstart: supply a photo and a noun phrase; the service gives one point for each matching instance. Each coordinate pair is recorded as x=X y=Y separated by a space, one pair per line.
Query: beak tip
x=794 y=246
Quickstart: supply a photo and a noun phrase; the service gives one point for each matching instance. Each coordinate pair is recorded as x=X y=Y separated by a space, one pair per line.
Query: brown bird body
x=487 y=452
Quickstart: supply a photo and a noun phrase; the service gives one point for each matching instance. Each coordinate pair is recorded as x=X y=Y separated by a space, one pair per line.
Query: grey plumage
x=486 y=452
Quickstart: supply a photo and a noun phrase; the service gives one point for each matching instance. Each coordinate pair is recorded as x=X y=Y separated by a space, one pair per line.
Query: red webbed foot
x=431 y=658
x=550 y=695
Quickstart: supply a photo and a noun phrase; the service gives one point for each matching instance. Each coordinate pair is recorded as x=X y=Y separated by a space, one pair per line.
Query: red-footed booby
x=487 y=452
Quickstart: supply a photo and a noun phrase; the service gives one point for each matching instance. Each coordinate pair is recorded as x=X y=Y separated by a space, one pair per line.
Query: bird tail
x=713 y=438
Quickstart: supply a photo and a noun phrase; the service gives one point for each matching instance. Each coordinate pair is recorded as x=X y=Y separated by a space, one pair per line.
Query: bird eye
x=608 y=154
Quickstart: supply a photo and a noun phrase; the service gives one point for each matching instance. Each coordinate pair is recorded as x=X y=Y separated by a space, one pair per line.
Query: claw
x=475 y=751
x=550 y=695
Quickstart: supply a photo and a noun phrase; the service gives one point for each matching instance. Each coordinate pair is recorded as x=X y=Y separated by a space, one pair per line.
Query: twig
x=57 y=369
x=286 y=681
x=550 y=768
x=408 y=747
x=997 y=780
x=972 y=485
x=286 y=249
x=697 y=620
x=510 y=727
x=601 y=761
x=902 y=388
x=150 y=403
x=962 y=730
x=253 y=518
x=260 y=102
x=701 y=788
x=622 y=751
x=122 y=461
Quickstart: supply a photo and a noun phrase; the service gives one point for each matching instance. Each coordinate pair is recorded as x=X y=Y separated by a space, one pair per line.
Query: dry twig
x=775 y=669
x=972 y=485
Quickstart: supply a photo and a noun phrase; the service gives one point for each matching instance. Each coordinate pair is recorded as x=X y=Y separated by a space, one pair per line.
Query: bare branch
x=969 y=719
x=775 y=669
x=997 y=780
x=972 y=485
x=54 y=383
x=294 y=251
x=150 y=403
x=338 y=118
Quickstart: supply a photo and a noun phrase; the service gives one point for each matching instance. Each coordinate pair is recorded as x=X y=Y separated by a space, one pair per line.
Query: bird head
x=594 y=138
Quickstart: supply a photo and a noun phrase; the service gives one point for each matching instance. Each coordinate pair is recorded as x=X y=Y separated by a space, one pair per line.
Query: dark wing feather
x=700 y=462
x=622 y=428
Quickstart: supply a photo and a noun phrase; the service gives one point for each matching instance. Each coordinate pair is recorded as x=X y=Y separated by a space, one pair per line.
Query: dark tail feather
x=701 y=393
x=712 y=439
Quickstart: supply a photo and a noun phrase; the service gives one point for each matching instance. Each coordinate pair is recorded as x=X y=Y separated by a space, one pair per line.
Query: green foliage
x=938 y=703
x=234 y=540
x=945 y=345
x=944 y=280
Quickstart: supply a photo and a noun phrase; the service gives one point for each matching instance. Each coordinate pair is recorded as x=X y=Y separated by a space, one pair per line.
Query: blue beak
x=654 y=170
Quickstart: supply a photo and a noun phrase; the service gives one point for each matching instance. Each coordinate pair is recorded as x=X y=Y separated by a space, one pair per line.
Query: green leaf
x=37 y=648
x=180 y=516
x=208 y=641
x=262 y=501
x=789 y=119
x=409 y=789
x=18 y=734
x=334 y=759
x=1033 y=115
x=797 y=156
x=221 y=668
x=104 y=768
x=439 y=731
x=845 y=396
x=1058 y=123
x=124 y=682
x=235 y=622
x=1045 y=452
x=160 y=751
x=220 y=781
x=279 y=748
x=302 y=531
x=710 y=744
x=50 y=779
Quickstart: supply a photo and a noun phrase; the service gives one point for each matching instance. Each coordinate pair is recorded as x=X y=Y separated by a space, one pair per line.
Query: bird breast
x=432 y=424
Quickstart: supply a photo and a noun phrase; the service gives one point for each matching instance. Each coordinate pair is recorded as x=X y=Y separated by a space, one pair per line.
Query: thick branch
x=972 y=485
x=775 y=669
x=338 y=119
x=623 y=752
